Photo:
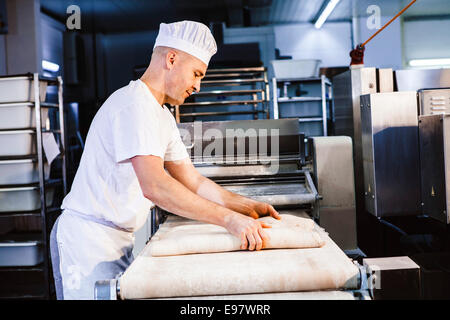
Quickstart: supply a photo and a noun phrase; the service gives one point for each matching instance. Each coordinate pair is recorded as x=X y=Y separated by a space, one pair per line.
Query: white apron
x=90 y=251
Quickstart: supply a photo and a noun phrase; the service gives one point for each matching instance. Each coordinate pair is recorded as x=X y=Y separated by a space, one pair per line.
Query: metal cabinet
x=434 y=138
x=390 y=153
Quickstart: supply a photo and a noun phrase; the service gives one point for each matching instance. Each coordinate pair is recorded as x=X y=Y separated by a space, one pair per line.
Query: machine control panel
x=434 y=101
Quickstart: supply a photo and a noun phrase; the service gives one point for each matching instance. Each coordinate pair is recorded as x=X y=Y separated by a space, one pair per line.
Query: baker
x=133 y=157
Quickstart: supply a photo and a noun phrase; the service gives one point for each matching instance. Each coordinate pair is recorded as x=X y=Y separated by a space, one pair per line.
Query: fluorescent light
x=429 y=62
x=50 y=66
x=325 y=13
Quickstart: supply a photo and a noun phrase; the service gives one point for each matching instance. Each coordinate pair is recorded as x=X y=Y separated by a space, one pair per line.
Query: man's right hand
x=249 y=230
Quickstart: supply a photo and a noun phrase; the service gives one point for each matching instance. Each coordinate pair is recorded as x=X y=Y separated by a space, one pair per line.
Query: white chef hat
x=189 y=36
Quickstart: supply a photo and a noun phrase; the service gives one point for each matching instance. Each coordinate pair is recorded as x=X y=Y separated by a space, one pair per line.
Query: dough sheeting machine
x=269 y=161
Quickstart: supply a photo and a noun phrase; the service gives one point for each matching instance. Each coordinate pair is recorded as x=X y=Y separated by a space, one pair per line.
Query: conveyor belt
x=313 y=295
x=242 y=272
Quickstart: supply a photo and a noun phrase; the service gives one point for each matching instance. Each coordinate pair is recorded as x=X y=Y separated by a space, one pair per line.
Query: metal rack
x=283 y=95
x=45 y=212
x=232 y=91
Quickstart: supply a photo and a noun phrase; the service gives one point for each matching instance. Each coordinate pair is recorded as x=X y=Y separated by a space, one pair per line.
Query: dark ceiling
x=128 y=15
x=110 y=16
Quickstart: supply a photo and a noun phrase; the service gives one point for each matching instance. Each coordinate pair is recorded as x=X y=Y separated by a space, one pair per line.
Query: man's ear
x=170 y=59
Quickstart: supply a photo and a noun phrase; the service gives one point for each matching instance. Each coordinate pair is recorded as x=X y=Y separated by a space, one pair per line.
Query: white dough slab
x=177 y=236
x=240 y=272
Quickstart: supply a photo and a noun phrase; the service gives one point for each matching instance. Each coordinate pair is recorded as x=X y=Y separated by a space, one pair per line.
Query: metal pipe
x=218 y=113
x=217 y=103
x=389 y=22
x=37 y=107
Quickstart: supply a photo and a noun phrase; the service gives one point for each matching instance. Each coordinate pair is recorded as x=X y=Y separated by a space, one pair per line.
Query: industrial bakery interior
x=332 y=113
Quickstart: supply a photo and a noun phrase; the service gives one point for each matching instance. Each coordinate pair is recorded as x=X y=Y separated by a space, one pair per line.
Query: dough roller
x=284 y=175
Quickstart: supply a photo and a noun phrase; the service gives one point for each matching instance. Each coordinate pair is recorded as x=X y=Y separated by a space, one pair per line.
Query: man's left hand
x=256 y=209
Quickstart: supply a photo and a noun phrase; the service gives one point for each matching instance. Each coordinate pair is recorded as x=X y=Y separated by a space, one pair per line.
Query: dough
x=240 y=272
x=179 y=236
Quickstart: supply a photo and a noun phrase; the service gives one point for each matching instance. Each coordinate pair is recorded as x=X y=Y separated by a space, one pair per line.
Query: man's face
x=184 y=77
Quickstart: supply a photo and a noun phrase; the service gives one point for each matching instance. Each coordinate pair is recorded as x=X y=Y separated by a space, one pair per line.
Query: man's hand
x=256 y=209
x=249 y=230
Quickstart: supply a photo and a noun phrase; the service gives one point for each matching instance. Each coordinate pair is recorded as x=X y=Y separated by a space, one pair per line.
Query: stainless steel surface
x=309 y=119
x=274 y=176
x=343 y=111
x=303 y=79
x=225 y=92
x=297 y=99
x=393 y=278
x=276 y=109
x=278 y=193
x=23 y=198
x=340 y=223
x=324 y=104
x=413 y=80
x=20 y=116
x=20 y=89
x=17 y=143
x=363 y=81
x=217 y=113
x=24 y=251
x=295 y=68
x=218 y=103
x=224 y=70
x=347 y=89
x=106 y=289
x=390 y=153
x=312 y=188
x=21 y=171
x=385 y=80
x=203 y=134
x=208 y=83
x=231 y=75
x=434 y=101
x=335 y=183
x=434 y=137
x=63 y=137
x=245 y=170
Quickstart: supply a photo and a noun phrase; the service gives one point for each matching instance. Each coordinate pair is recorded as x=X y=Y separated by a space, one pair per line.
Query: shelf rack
x=224 y=87
x=45 y=211
x=281 y=96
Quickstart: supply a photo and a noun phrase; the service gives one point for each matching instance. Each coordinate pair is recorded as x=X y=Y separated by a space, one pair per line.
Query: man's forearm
x=174 y=197
x=210 y=190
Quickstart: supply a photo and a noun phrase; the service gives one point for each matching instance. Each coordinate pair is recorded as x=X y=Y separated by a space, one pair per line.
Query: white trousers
x=85 y=252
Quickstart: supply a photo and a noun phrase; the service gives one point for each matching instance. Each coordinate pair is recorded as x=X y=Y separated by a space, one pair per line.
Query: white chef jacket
x=130 y=122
